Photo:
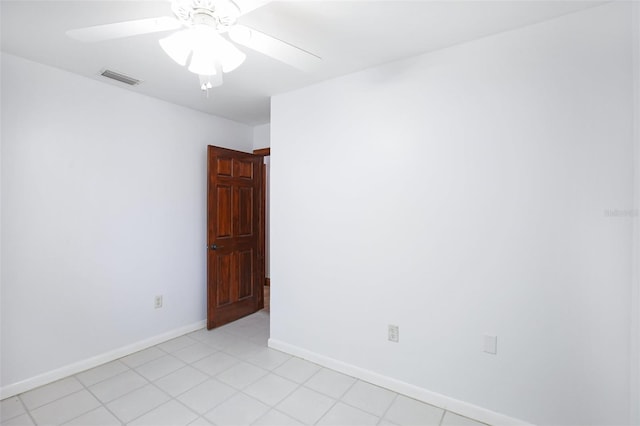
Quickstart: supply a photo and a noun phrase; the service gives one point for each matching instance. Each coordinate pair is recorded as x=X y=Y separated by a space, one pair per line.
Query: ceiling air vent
x=120 y=77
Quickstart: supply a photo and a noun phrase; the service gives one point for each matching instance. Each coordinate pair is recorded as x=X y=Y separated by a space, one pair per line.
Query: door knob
x=214 y=247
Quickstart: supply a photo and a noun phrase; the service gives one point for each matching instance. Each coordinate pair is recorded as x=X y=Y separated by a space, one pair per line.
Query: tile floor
x=222 y=377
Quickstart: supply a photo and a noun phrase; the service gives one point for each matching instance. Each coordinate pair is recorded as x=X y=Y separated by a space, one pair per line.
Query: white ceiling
x=347 y=35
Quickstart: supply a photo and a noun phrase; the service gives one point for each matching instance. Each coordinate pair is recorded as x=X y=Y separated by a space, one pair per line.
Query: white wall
x=460 y=193
x=262 y=136
x=103 y=207
x=635 y=293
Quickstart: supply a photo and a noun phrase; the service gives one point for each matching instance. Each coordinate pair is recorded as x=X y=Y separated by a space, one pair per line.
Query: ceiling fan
x=200 y=42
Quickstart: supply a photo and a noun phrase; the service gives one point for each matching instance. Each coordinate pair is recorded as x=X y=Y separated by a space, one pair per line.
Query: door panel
x=235 y=259
x=223 y=277
x=245 y=268
x=243 y=169
x=225 y=210
x=224 y=166
x=245 y=212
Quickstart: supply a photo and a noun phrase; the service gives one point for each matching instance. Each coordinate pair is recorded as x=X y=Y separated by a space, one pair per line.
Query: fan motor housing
x=218 y=13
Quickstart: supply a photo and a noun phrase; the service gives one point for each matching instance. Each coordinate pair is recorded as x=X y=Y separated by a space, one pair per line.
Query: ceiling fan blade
x=124 y=29
x=247 y=6
x=277 y=49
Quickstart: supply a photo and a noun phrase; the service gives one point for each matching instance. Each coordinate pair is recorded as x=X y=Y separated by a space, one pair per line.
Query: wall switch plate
x=490 y=344
x=158 y=302
x=394 y=333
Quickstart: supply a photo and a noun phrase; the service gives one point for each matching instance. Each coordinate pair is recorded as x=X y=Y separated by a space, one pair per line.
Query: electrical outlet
x=158 y=302
x=394 y=333
x=490 y=344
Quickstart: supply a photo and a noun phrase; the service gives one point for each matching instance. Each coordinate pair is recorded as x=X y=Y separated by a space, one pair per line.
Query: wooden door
x=235 y=260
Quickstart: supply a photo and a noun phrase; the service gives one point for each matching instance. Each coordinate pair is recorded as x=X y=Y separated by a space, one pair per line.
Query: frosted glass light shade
x=203 y=62
x=208 y=50
x=177 y=46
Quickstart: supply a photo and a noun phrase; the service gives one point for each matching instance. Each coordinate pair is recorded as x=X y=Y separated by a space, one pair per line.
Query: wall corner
x=262 y=136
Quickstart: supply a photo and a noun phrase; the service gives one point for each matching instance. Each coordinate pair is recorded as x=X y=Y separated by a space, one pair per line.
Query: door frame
x=264 y=152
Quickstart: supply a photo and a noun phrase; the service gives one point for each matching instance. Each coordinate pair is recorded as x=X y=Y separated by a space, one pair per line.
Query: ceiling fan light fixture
x=177 y=46
x=232 y=59
x=203 y=62
x=208 y=43
x=207 y=49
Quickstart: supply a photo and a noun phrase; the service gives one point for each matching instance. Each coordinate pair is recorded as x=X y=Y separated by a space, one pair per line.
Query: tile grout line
x=203 y=415
x=444 y=413
x=27 y=411
x=194 y=341
x=164 y=375
x=175 y=398
x=17 y=415
x=296 y=388
x=73 y=393
x=335 y=402
x=273 y=407
x=149 y=382
x=214 y=377
x=124 y=394
x=380 y=417
x=395 y=398
x=102 y=404
x=48 y=402
x=163 y=403
x=331 y=396
x=105 y=379
x=339 y=399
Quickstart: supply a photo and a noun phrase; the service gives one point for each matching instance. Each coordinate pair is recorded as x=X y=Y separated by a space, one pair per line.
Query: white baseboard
x=460 y=407
x=77 y=367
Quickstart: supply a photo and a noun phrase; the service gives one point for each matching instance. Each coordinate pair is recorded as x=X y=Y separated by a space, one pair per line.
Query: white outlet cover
x=491 y=344
x=394 y=333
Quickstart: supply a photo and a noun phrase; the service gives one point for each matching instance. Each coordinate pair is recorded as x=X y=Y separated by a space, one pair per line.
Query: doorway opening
x=266 y=153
